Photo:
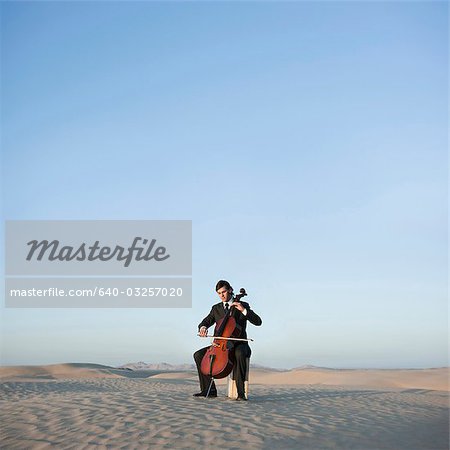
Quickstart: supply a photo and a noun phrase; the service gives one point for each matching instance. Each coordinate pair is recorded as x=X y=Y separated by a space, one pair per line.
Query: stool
x=232 y=388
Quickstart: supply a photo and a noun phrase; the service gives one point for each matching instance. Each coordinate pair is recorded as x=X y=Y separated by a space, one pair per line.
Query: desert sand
x=90 y=406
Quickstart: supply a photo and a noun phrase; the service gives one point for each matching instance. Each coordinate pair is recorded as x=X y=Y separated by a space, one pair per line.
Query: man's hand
x=238 y=306
x=203 y=332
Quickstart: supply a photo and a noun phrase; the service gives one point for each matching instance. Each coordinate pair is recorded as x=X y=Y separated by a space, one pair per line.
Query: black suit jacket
x=218 y=312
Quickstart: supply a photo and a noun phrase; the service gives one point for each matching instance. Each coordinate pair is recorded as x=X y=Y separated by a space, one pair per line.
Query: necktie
x=226 y=307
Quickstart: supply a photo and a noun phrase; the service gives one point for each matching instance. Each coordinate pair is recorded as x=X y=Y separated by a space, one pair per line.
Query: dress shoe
x=199 y=394
x=203 y=394
x=241 y=398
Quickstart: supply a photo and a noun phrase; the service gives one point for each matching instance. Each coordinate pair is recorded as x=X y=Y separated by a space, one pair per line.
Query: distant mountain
x=141 y=365
x=166 y=367
x=311 y=367
x=261 y=367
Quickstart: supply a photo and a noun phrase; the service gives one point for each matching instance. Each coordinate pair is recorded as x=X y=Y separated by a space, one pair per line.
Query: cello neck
x=241 y=294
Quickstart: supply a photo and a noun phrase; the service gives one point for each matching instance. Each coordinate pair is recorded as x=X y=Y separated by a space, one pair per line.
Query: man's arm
x=250 y=315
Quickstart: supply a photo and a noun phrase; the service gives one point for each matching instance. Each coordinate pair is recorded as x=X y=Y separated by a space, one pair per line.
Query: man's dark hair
x=222 y=283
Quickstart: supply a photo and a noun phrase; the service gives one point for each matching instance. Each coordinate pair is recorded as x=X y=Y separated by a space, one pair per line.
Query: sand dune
x=70 y=370
x=433 y=379
x=58 y=371
x=159 y=412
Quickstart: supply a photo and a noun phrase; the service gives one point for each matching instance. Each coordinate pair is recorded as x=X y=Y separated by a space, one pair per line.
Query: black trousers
x=242 y=351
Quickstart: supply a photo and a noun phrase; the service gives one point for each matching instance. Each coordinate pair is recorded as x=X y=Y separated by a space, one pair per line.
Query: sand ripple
x=120 y=413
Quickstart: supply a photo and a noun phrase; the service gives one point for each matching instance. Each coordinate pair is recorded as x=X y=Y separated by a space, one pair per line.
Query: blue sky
x=306 y=141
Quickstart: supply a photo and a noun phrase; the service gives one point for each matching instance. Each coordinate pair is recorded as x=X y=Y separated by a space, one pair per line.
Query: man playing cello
x=242 y=313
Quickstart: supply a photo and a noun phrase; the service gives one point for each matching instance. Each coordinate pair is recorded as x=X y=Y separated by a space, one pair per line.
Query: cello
x=219 y=358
